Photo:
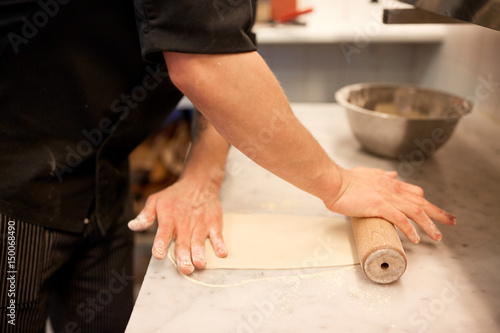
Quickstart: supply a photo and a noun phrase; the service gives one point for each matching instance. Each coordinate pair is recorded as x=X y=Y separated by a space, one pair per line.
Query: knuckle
x=163 y=231
x=418 y=212
x=419 y=191
x=215 y=232
x=181 y=246
x=150 y=199
x=197 y=245
x=397 y=189
x=405 y=225
x=198 y=237
x=401 y=219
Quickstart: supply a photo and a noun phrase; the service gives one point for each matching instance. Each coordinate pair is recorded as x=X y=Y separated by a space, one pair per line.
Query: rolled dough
x=277 y=241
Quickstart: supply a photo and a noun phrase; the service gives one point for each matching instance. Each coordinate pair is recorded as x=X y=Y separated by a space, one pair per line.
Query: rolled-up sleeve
x=194 y=26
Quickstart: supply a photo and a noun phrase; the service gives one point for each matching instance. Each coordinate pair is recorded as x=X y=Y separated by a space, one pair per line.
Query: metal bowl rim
x=340 y=96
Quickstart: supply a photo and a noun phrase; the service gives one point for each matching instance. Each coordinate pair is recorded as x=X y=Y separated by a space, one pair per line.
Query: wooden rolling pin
x=381 y=254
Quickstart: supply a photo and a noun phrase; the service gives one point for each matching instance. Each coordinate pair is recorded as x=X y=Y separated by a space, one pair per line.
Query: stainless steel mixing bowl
x=399 y=120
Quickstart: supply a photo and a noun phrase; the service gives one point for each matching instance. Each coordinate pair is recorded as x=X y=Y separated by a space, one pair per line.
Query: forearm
x=240 y=96
x=207 y=156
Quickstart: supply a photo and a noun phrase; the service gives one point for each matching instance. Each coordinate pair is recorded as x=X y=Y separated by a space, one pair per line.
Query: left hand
x=188 y=211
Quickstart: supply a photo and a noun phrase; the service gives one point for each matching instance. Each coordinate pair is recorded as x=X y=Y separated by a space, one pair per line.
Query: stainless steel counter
x=448 y=286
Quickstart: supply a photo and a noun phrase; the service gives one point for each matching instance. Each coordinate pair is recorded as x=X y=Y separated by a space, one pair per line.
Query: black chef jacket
x=76 y=96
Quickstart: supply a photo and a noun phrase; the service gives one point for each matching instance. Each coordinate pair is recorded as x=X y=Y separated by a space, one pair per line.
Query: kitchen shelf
x=358 y=21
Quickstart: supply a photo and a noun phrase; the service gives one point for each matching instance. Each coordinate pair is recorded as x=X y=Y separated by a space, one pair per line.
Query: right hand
x=367 y=192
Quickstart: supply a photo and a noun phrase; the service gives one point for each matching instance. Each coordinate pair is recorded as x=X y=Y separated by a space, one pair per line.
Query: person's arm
x=189 y=210
x=243 y=100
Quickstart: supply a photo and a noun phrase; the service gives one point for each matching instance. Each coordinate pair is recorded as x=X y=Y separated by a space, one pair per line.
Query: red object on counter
x=286 y=10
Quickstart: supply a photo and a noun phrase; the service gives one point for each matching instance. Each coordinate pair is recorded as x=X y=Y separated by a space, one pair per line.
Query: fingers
x=163 y=235
x=433 y=211
x=401 y=221
x=161 y=242
x=190 y=234
x=218 y=243
x=199 y=235
x=410 y=201
x=375 y=192
x=183 y=257
x=422 y=211
x=198 y=247
x=146 y=217
x=185 y=215
x=419 y=216
x=410 y=188
x=392 y=174
x=191 y=255
x=198 y=255
x=440 y=215
x=183 y=247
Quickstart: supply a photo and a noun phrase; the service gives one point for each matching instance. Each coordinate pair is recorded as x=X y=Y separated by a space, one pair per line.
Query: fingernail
x=200 y=259
x=160 y=252
x=131 y=224
x=416 y=239
x=186 y=263
x=160 y=248
x=437 y=234
x=221 y=250
x=452 y=218
x=138 y=223
x=198 y=253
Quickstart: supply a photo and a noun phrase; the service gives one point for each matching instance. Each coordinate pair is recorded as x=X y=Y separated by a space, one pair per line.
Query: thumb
x=146 y=217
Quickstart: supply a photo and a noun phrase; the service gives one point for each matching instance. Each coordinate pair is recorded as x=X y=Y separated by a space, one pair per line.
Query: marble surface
x=353 y=21
x=449 y=286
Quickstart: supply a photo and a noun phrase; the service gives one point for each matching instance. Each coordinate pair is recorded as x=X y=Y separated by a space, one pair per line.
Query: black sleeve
x=194 y=26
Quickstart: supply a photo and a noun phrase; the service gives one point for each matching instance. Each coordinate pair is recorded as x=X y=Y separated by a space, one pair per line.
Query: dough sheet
x=278 y=241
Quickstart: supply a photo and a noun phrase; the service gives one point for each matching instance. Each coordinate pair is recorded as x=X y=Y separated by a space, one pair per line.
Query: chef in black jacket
x=76 y=97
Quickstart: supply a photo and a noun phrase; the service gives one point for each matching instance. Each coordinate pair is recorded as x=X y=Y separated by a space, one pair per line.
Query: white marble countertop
x=354 y=21
x=450 y=286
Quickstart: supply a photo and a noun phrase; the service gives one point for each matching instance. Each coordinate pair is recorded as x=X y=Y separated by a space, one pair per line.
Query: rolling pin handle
x=380 y=251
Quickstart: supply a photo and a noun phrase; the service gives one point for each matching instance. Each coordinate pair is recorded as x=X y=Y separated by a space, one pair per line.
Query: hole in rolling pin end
x=384 y=265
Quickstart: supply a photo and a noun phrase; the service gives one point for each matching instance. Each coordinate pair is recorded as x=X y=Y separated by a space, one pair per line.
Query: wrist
x=333 y=185
x=212 y=176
